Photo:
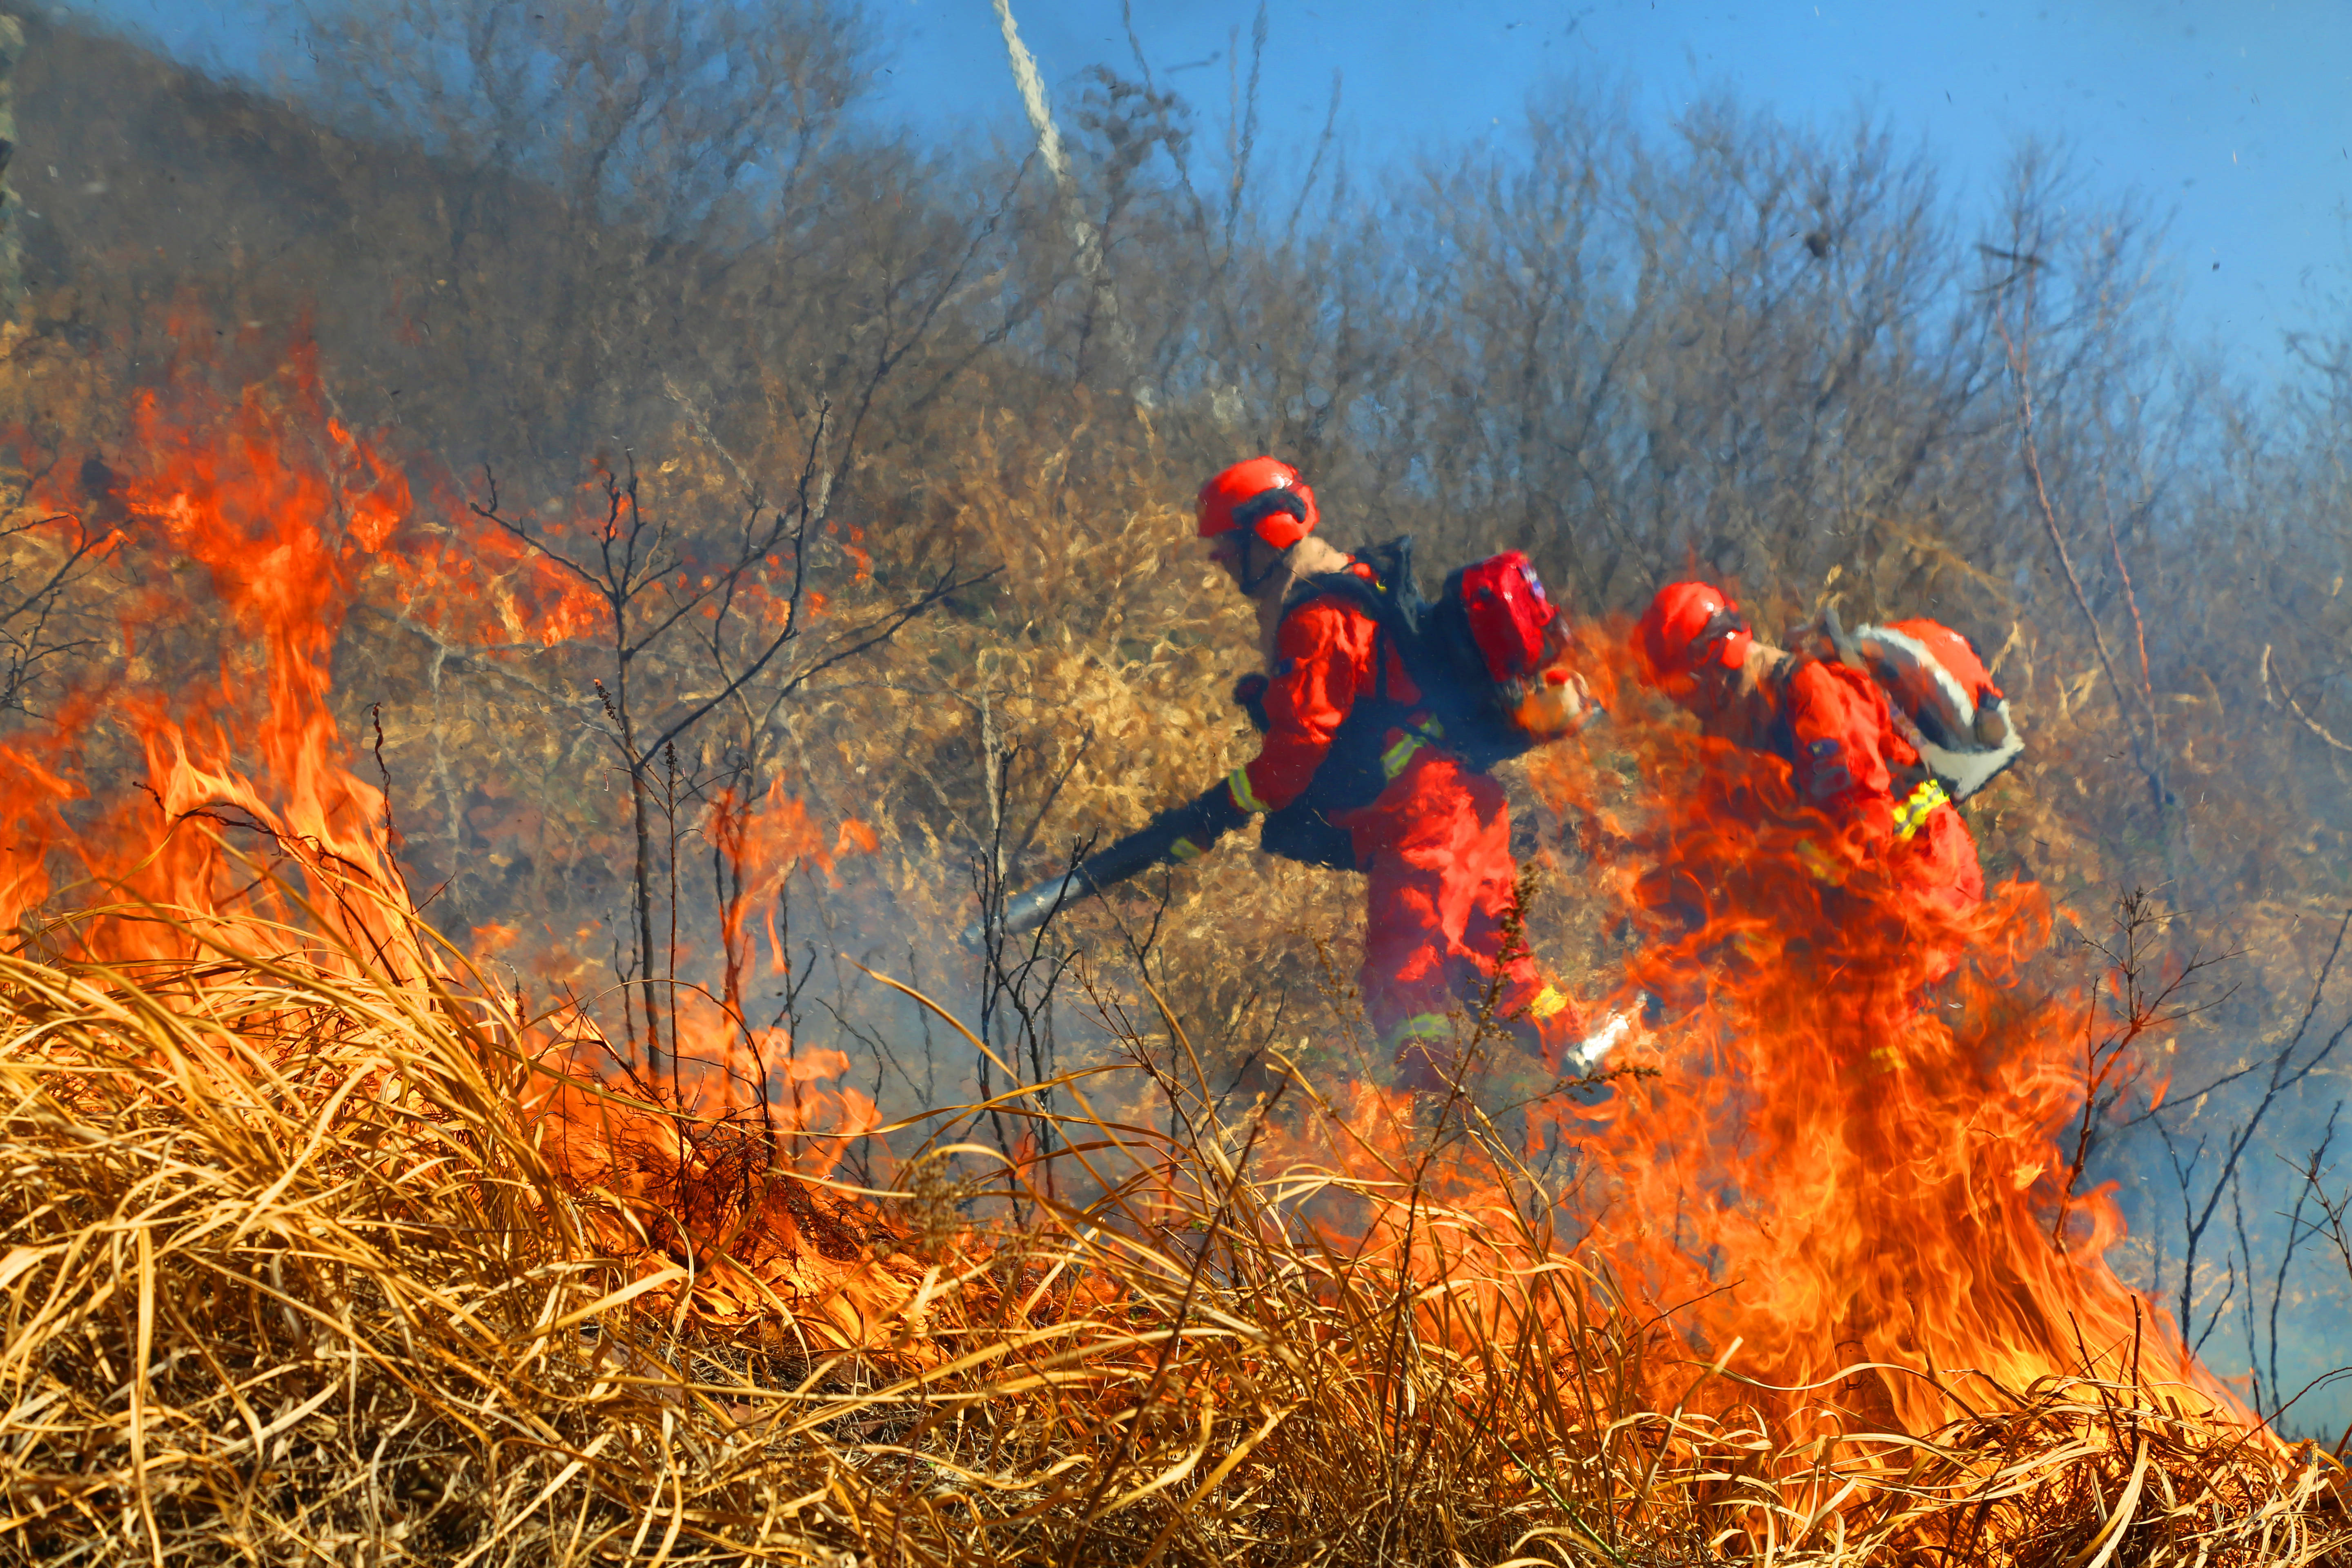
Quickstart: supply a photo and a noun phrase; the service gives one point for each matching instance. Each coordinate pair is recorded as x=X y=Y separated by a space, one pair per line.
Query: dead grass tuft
x=292 y=1276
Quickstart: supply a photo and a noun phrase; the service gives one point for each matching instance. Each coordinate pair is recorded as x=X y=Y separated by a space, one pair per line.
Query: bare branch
x=2271 y=682
x=2019 y=369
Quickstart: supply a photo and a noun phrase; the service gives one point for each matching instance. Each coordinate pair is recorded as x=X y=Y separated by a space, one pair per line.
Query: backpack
x=1938 y=693
x=1508 y=644
x=1489 y=653
x=1489 y=656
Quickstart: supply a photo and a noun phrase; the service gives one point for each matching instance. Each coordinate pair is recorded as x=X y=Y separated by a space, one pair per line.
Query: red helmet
x=1265 y=495
x=1687 y=627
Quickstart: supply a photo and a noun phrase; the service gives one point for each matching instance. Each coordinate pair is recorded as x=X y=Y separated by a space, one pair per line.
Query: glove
x=1201 y=822
x=1249 y=693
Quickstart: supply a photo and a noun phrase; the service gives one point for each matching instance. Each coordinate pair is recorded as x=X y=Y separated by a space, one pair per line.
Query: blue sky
x=2232 y=117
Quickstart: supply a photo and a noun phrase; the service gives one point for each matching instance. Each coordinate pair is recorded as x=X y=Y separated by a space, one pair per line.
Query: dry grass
x=293 y=1276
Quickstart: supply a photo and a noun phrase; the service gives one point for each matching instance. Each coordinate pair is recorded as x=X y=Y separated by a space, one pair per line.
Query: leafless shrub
x=43 y=561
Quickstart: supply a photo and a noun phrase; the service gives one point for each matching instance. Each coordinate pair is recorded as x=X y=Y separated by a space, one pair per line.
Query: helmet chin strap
x=1252 y=583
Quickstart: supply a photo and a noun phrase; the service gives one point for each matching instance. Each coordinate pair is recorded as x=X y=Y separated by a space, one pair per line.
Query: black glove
x=1201 y=822
x=1249 y=691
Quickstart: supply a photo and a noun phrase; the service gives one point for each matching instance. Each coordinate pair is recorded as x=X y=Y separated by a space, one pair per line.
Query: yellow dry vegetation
x=291 y=1277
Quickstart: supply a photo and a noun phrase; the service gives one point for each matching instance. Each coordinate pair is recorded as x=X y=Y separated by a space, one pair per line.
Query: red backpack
x=1490 y=653
x=1508 y=648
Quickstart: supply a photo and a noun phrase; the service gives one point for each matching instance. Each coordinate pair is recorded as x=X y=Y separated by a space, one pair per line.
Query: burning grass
x=321 y=1246
x=296 y=1272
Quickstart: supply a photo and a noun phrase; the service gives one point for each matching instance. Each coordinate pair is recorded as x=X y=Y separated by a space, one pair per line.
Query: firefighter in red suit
x=1352 y=755
x=1834 y=726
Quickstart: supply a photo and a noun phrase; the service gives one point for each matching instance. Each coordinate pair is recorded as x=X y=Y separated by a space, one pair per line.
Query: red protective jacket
x=1435 y=846
x=1323 y=663
x=1839 y=737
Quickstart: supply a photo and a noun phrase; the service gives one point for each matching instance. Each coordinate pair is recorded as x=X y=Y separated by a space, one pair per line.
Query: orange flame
x=1850 y=1153
x=253 y=524
x=273 y=501
x=1845 y=1157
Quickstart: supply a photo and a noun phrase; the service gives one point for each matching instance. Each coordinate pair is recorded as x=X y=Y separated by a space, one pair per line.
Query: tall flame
x=1848 y=1153
x=253 y=524
x=273 y=501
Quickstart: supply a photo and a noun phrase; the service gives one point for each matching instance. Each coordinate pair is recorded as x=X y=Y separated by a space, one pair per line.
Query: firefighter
x=1831 y=722
x=1350 y=743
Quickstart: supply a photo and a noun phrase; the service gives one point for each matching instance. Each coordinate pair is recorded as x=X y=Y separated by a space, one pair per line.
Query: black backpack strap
x=1368 y=598
x=1782 y=739
x=1378 y=600
x=1391 y=598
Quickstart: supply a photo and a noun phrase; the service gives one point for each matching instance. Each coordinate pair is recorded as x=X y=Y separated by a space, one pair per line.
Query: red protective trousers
x=1435 y=846
x=1439 y=879
x=1847 y=757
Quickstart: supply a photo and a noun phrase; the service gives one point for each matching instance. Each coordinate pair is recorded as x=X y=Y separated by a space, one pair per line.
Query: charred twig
x=2141 y=1011
x=29 y=614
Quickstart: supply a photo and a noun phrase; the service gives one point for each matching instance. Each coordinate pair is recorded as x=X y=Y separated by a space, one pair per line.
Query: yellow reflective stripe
x=1243 y=797
x=1823 y=868
x=1185 y=849
x=1422 y=1026
x=1915 y=808
x=1395 y=760
x=1547 y=1003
